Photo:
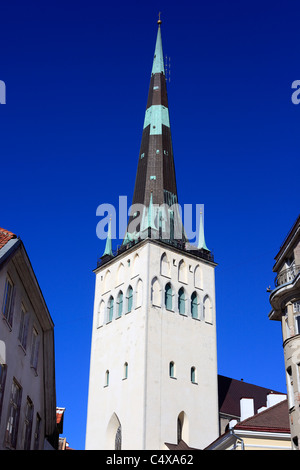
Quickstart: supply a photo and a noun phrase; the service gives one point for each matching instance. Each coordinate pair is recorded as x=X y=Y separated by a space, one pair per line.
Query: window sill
x=34 y=370
x=9 y=326
x=174 y=378
x=22 y=348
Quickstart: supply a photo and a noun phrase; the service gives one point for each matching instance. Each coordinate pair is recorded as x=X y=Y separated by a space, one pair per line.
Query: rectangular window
x=11 y=433
x=296 y=307
x=34 y=349
x=37 y=432
x=8 y=301
x=297 y=324
x=290 y=387
x=28 y=424
x=3 y=368
x=23 y=327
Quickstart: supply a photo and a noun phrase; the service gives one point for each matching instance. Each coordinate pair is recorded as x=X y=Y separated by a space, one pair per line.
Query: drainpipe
x=238 y=439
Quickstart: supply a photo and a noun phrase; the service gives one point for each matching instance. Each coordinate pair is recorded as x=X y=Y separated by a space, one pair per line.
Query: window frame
x=169 y=296
x=181 y=301
x=12 y=424
x=8 y=301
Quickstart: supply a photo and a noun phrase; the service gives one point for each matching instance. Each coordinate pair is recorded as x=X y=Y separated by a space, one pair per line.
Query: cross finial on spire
x=159 y=20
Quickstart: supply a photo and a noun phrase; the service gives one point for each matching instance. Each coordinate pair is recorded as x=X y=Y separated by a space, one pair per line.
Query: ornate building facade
x=285 y=302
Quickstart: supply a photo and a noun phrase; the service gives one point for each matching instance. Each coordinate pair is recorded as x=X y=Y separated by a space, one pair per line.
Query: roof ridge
x=261 y=412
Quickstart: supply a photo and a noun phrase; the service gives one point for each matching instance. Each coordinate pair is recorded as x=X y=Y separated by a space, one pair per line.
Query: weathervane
x=159 y=20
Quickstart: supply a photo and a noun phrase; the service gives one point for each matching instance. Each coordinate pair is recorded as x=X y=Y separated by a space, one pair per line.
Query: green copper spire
x=108 y=247
x=158 y=61
x=201 y=242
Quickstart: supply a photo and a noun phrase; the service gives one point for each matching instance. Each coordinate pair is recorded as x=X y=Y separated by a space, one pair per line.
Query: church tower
x=153 y=366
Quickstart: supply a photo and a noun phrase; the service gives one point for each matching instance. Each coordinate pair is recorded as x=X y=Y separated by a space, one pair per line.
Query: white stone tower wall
x=148 y=402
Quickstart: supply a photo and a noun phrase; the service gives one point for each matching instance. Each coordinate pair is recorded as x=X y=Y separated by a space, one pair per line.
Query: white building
x=153 y=368
x=27 y=370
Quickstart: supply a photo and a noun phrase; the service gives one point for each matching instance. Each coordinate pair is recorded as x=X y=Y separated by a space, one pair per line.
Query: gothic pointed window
x=129 y=299
x=194 y=305
x=164 y=266
x=155 y=292
x=110 y=308
x=106 y=384
x=172 y=369
x=207 y=310
x=125 y=370
x=139 y=293
x=120 y=304
x=118 y=438
x=193 y=375
x=181 y=301
x=182 y=271
x=168 y=296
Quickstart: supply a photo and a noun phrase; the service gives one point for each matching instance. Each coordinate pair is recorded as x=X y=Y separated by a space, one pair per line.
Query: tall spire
x=156 y=170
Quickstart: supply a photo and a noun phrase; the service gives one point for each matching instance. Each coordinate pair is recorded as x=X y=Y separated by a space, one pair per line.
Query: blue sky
x=77 y=76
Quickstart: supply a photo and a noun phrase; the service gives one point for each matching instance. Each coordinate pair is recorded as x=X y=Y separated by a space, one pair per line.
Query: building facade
x=285 y=302
x=27 y=371
x=268 y=429
x=153 y=367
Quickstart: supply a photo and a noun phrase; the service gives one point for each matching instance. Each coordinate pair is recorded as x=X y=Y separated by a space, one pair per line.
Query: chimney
x=246 y=408
x=274 y=398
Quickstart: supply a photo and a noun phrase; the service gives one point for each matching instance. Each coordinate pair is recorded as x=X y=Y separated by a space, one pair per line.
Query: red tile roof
x=59 y=414
x=5 y=236
x=273 y=419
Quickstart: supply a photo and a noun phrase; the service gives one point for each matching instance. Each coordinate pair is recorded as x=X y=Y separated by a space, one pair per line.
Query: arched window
x=193 y=375
x=136 y=265
x=155 y=292
x=207 y=310
x=125 y=370
x=164 y=266
x=172 y=369
x=168 y=296
x=120 y=304
x=101 y=314
x=179 y=430
x=182 y=427
x=110 y=308
x=182 y=271
x=139 y=293
x=198 y=277
x=120 y=274
x=118 y=439
x=113 y=438
x=107 y=281
x=181 y=301
x=194 y=305
x=129 y=299
x=106 y=383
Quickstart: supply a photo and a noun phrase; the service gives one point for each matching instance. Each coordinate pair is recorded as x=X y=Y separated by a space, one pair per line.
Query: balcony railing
x=287 y=275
